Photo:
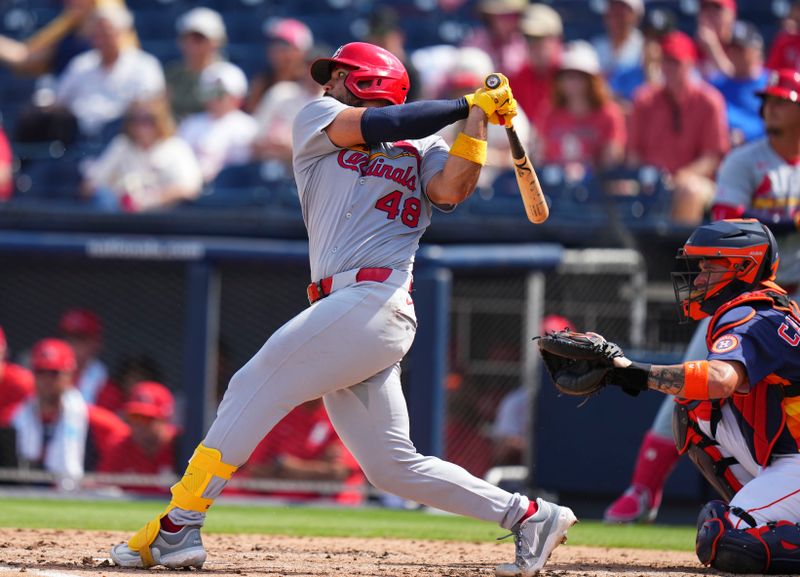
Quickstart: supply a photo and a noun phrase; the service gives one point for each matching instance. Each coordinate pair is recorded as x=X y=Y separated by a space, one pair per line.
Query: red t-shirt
x=128 y=457
x=670 y=134
x=570 y=138
x=308 y=434
x=7 y=188
x=111 y=397
x=533 y=91
x=785 y=52
x=106 y=431
x=16 y=385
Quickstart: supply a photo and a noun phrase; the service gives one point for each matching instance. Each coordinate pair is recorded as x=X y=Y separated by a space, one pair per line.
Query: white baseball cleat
x=536 y=538
x=172 y=550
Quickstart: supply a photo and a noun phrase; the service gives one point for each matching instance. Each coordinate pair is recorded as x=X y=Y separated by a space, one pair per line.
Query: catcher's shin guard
x=704 y=452
x=771 y=548
x=187 y=494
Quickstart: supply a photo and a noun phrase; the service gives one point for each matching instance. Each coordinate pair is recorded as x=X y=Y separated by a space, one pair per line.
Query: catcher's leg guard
x=187 y=493
x=704 y=452
x=771 y=548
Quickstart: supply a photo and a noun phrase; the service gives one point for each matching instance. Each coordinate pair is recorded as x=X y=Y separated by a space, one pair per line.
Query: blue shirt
x=742 y=104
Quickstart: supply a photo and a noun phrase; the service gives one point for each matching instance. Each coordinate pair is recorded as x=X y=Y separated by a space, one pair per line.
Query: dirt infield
x=53 y=553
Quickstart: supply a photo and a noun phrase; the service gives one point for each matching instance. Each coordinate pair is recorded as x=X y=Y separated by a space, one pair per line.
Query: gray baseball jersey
x=754 y=176
x=363 y=207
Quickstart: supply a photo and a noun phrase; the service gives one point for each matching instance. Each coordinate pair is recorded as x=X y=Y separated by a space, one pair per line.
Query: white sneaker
x=173 y=550
x=536 y=538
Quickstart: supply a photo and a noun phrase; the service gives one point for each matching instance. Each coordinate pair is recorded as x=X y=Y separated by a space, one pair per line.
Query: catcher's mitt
x=579 y=363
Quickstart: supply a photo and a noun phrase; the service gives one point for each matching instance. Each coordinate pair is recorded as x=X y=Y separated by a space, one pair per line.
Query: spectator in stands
x=274 y=115
x=99 y=85
x=304 y=446
x=620 y=48
x=500 y=36
x=129 y=371
x=288 y=44
x=785 y=51
x=385 y=31
x=150 y=448
x=52 y=47
x=585 y=128
x=466 y=76
x=83 y=331
x=146 y=167
x=715 y=21
x=533 y=84
x=746 y=52
x=681 y=128
x=16 y=384
x=56 y=430
x=201 y=36
x=657 y=24
x=6 y=171
x=222 y=135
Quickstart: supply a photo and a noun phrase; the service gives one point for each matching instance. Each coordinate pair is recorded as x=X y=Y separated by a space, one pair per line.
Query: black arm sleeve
x=413 y=120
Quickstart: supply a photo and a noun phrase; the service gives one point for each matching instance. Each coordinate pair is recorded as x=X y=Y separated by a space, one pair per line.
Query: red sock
x=532 y=508
x=657 y=456
x=168 y=526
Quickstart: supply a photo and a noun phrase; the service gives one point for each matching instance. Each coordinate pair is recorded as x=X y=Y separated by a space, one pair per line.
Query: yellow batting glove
x=490 y=100
x=505 y=114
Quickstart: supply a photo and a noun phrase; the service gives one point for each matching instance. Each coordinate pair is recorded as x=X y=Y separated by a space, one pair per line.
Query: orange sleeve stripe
x=695 y=386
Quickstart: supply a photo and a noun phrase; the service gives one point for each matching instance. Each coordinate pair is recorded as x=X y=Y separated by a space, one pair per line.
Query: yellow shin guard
x=187 y=494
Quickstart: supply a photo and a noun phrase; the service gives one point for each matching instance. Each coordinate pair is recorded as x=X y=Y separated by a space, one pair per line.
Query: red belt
x=322 y=288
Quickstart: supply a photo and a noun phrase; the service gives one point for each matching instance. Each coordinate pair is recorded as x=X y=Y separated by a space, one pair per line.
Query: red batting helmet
x=377 y=74
x=783 y=83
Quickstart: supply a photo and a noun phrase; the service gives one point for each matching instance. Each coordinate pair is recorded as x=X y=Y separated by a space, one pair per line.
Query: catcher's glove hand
x=579 y=363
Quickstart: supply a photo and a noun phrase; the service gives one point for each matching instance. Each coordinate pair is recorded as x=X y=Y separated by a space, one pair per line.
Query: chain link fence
x=142 y=307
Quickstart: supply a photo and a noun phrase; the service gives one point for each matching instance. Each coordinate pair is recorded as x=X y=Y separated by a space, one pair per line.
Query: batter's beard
x=348 y=98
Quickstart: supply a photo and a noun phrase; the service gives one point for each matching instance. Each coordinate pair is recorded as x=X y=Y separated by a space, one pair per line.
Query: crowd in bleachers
x=164 y=103
x=66 y=414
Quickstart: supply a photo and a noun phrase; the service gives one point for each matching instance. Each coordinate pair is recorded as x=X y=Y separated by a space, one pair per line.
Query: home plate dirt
x=55 y=553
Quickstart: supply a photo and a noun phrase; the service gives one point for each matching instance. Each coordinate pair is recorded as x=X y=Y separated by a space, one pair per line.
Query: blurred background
x=151 y=237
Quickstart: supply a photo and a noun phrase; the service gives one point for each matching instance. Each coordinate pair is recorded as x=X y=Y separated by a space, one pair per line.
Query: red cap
x=729 y=4
x=783 y=83
x=552 y=323
x=53 y=355
x=81 y=322
x=150 y=399
x=679 y=46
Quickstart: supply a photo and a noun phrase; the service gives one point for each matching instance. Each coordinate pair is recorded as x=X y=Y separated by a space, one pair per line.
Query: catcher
x=737 y=413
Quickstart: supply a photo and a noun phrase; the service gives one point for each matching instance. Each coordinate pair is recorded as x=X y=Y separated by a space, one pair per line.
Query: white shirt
x=629 y=55
x=98 y=95
x=219 y=142
x=145 y=173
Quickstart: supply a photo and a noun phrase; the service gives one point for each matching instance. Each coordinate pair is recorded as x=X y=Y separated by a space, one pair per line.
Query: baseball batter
x=368 y=176
x=760 y=179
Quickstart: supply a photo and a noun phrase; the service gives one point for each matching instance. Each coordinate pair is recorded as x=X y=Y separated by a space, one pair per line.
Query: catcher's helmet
x=720 y=261
x=377 y=74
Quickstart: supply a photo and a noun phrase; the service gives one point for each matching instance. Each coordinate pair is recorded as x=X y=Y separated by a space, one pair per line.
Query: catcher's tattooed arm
x=724 y=378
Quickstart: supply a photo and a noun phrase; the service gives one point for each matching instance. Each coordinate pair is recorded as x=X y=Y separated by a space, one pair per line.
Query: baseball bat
x=529 y=188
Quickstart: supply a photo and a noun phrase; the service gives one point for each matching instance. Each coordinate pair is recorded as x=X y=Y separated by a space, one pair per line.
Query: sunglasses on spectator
x=194 y=37
x=47 y=372
x=142 y=119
